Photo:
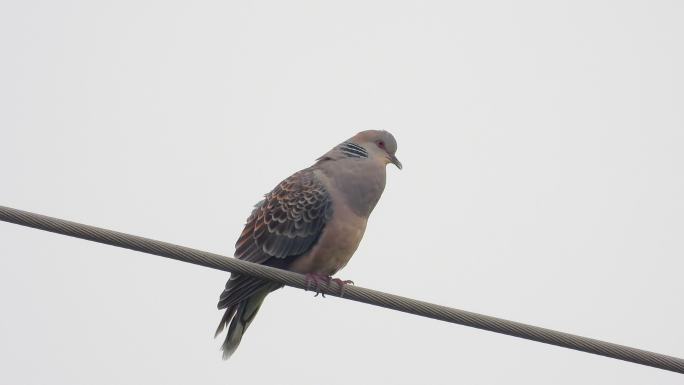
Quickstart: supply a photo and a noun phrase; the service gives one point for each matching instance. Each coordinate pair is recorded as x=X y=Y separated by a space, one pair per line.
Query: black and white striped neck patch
x=353 y=150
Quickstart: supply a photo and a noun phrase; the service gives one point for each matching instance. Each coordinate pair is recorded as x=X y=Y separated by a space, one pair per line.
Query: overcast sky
x=543 y=183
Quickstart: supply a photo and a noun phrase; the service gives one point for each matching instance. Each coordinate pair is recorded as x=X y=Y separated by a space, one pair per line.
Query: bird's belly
x=335 y=248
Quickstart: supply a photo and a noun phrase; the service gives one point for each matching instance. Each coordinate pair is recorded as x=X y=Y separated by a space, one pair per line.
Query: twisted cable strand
x=355 y=293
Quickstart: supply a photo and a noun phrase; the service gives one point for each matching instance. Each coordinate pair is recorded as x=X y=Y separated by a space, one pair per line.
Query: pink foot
x=316 y=280
x=342 y=284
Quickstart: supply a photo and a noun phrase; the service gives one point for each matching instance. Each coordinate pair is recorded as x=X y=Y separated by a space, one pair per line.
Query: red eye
x=381 y=144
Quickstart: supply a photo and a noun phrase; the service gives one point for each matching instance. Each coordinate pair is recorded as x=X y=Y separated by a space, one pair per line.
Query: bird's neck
x=360 y=182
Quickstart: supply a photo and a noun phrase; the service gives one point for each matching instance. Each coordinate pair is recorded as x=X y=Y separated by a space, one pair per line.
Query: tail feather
x=240 y=317
x=229 y=313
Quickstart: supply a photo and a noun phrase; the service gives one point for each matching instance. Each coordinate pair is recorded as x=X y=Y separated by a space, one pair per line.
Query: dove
x=310 y=223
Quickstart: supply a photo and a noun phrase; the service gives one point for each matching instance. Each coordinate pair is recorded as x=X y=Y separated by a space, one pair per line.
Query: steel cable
x=354 y=293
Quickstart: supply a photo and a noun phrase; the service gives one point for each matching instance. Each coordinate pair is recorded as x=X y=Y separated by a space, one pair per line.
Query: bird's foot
x=342 y=284
x=316 y=280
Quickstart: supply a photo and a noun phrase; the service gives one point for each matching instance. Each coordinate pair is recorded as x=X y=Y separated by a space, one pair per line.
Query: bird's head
x=380 y=145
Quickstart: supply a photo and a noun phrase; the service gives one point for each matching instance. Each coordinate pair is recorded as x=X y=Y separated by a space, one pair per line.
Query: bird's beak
x=393 y=159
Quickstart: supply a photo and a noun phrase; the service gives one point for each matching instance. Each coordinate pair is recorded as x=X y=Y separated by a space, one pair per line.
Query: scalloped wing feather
x=289 y=220
x=286 y=224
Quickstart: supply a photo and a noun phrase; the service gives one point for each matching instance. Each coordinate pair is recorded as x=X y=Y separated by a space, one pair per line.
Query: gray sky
x=542 y=145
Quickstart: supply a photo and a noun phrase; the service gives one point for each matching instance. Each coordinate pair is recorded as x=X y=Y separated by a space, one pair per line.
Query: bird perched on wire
x=311 y=223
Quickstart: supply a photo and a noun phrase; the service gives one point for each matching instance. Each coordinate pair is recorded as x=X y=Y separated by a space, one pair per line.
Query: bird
x=310 y=223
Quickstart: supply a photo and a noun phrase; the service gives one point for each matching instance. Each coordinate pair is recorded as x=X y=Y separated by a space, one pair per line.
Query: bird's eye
x=381 y=144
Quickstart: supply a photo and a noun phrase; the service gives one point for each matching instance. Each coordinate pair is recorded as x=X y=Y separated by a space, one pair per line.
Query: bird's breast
x=338 y=242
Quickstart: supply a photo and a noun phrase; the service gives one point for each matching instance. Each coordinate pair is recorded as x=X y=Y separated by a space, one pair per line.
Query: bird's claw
x=316 y=280
x=342 y=284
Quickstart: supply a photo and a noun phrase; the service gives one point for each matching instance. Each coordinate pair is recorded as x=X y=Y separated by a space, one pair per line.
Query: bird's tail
x=240 y=315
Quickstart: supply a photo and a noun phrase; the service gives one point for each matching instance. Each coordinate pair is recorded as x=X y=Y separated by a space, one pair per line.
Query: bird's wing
x=286 y=224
